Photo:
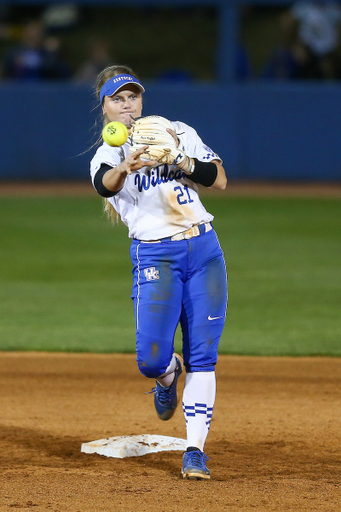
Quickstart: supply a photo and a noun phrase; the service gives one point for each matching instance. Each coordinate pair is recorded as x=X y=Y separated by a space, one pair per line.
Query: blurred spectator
x=98 y=59
x=318 y=37
x=284 y=62
x=282 y=65
x=36 y=57
x=55 y=66
x=309 y=39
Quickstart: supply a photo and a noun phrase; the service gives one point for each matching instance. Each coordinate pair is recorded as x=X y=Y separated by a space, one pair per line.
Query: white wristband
x=190 y=168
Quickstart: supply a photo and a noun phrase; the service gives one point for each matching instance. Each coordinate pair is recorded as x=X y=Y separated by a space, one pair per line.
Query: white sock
x=198 y=402
x=166 y=379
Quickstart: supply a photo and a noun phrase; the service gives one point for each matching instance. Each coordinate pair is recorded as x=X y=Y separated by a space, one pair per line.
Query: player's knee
x=152 y=369
x=152 y=372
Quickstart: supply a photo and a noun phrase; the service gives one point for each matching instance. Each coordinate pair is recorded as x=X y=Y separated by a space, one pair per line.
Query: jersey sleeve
x=108 y=155
x=192 y=144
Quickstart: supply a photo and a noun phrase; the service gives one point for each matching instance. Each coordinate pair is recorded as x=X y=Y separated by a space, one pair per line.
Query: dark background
x=187 y=56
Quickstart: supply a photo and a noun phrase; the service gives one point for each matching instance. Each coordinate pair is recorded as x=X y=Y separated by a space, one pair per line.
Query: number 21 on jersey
x=183 y=197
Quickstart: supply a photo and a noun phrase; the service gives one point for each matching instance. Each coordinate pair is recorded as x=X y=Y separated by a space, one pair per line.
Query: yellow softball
x=115 y=133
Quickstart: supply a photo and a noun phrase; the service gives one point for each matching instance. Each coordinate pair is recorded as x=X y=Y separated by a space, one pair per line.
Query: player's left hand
x=158 y=133
x=175 y=137
x=152 y=130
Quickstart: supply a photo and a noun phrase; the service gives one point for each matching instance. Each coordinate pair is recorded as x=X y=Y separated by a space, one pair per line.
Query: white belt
x=196 y=230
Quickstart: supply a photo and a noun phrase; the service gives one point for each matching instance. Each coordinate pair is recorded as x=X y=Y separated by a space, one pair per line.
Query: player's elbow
x=221 y=180
x=221 y=183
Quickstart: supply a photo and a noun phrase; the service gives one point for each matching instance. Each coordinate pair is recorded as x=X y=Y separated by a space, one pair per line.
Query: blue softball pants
x=178 y=281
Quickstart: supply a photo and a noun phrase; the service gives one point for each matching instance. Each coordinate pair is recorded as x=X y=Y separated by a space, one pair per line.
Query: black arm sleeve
x=205 y=173
x=98 y=182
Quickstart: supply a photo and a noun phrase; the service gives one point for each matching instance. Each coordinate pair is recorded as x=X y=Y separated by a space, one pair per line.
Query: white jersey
x=159 y=202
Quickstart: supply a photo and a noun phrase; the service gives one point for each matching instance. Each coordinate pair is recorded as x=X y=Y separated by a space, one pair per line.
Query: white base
x=133 y=446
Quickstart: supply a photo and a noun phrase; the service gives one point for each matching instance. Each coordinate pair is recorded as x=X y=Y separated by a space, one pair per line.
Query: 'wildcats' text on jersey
x=157 y=176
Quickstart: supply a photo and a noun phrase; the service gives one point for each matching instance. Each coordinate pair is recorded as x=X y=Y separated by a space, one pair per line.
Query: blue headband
x=117 y=82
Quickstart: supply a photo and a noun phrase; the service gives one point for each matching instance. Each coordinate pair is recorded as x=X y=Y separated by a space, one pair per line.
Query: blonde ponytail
x=103 y=77
x=110 y=211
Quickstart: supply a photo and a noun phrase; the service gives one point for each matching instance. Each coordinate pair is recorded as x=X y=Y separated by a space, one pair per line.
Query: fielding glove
x=152 y=131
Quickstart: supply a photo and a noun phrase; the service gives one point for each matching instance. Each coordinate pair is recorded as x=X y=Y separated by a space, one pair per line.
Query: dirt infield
x=274 y=444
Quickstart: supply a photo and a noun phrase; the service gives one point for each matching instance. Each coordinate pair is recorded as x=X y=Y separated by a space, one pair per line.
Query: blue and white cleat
x=194 y=465
x=165 y=399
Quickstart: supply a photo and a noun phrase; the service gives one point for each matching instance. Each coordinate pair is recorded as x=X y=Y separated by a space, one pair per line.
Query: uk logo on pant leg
x=151 y=274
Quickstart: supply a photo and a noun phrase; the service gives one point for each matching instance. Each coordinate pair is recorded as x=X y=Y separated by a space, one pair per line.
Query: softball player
x=178 y=266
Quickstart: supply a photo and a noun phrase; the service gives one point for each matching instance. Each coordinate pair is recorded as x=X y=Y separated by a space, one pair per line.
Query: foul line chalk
x=134 y=446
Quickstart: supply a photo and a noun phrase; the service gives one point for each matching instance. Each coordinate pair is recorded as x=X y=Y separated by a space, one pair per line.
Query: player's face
x=124 y=105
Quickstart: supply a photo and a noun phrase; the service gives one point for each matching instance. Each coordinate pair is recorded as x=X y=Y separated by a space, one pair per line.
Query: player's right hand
x=133 y=161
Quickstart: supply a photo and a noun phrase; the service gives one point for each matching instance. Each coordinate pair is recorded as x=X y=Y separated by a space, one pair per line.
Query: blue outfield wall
x=287 y=131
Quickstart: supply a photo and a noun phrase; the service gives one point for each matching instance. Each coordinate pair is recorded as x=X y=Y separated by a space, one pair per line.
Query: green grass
x=283 y=257
x=65 y=278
